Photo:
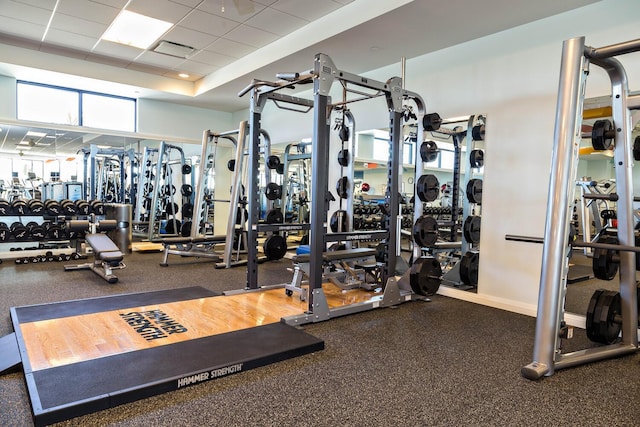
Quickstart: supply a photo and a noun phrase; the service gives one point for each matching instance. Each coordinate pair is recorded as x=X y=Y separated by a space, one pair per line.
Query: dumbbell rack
x=41 y=223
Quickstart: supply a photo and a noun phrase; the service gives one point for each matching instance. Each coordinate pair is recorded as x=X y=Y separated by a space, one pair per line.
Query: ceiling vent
x=174 y=49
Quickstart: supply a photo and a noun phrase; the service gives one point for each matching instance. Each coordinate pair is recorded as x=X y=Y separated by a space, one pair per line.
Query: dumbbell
x=54 y=231
x=5 y=232
x=97 y=207
x=5 y=207
x=35 y=206
x=83 y=207
x=36 y=231
x=52 y=207
x=68 y=207
x=19 y=207
x=19 y=231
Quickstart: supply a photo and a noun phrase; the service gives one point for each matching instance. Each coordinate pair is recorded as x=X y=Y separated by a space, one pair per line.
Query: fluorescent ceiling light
x=135 y=30
x=36 y=134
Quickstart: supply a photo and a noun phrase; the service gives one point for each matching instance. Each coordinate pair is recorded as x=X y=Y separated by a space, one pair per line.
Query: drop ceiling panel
x=208 y=23
x=192 y=67
x=73 y=24
x=190 y=3
x=75 y=41
x=228 y=10
x=25 y=12
x=309 y=10
x=119 y=4
x=159 y=9
x=230 y=48
x=119 y=51
x=189 y=37
x=276 y=22
x=89 y=10
x=159 y=59
x=43 y=4
x=251 y=36
x=212 y=58
x=21 y=28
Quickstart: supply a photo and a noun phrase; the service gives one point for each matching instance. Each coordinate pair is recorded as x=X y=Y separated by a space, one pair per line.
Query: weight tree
x=576 y=60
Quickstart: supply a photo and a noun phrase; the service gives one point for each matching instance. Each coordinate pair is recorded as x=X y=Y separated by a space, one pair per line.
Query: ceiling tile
x=146 y=68
x=208 y=23
x=76 y=25
x=306 y=9
x=193 y=76
x=117 y=50
x=251 y=36
x=88 y=10
x=190 y=3
x=63 y=51
x=344 y=2
x=106 y=60
x=43 y=4
x=266 y=2
x=159 y=9
x=159 y=60
x=21 y=28
x=192 y=67
x=276 y=22
x=189 y=37
x=227 y=9
x=65 y=38
x=230 y=48
x=113 y=3
x=212 y=58
x=25 y=12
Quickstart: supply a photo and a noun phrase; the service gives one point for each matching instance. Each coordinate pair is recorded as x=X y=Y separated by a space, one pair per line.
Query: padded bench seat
x=203 y=239
x=104 y=248
x=338 y=255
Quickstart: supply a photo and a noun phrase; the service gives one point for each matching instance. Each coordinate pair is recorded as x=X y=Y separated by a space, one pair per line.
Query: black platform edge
x=150 y=372
x=37 y=312
x=9 y=354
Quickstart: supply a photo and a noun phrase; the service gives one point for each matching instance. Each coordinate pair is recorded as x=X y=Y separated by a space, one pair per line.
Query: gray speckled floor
x=444 y=362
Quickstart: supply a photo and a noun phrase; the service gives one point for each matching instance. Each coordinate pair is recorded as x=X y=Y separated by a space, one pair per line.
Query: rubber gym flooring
x=444 y=362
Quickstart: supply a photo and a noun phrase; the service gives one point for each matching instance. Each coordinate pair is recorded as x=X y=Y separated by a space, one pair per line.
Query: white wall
x=513 y=77
x=8 y=96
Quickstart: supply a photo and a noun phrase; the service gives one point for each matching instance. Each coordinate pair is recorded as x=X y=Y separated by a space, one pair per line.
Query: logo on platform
x=153 y=324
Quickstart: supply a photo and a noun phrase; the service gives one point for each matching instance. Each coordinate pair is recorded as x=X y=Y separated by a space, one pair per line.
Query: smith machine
x=612 y=317
x=323 y=75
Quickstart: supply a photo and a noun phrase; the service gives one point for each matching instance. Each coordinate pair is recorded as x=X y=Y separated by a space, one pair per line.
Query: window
x=53 y=104
x=381 y=149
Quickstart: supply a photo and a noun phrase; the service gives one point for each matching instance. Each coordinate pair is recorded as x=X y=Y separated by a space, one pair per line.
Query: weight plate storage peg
x=476 y=158
x=602 y=134
x=275 y=247
x=604 y=317
x=428 y=188
x=425 y=231
x=474 y=191
x=429 y=151
x=471 y=229
x=425 y=276
x=469 y=268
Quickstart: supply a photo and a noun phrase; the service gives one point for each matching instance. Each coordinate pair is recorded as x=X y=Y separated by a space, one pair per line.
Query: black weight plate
x=172 y=208
x=591 y=324
x=477 y=133
x=186 y=169
x=428 y=188
x=273 y=161
x=280 y=169
x=471 y=229
x=274 y=216
x=476 y=158
x=425 y=231
x=429 y=151
x=173 y=226
x=431 y=121
x=474 y=191
x=343 y=157
x=469 y=268
x=187 y=210
x=231 y=165
x=602 y=260
x=344 y=133
x=338 y=221
x=609 y=329
x=186 y=190
x=342 y=187
x=636 y=149
x=599 y=139
x=275 y=247
x=242 y=215
x=425 y=276
x=185 y=231
x=273 y=191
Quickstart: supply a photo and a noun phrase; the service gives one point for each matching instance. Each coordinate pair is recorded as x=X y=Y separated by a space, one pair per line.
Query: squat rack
x=576 y=59
x=323 y=76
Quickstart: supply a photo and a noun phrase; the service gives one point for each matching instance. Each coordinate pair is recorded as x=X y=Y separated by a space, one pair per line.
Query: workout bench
x=107 y=256
x=191 y=246
x=347 y=269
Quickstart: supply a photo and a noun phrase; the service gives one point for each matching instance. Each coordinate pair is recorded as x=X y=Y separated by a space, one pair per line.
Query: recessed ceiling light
x=181 y=75
x=133 y=29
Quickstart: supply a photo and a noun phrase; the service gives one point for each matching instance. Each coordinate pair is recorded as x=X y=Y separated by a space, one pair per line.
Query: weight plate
x=428 y=188
x=431 y=121
x=273 y=161
x=342 y=187
x=186 y=190
x=275 y=247
x=274 y=216
x=476 y=158
x=425 y=276
x=231 y=165
x=425 y=231
x=600 y=139
x=477 y=133
x=609 y=328
x=471 y=229
x=591 y=324
x=604 y=268
x=469 y=268
x=343 y=157
x=186 y=169
x=429 y=151
x=273 y=191
x=242 y=215
x=474 y=191
x=636 y=149
x=338 y=222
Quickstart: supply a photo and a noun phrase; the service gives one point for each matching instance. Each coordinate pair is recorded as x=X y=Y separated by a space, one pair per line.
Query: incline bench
x=107 y=256
x=347 y=269
x=191 y=246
